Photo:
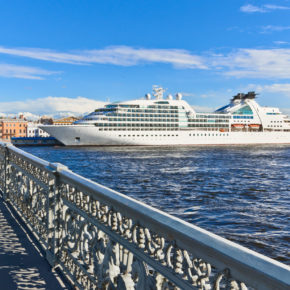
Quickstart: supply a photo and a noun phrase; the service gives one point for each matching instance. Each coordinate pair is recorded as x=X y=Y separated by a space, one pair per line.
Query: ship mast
x=158 y=92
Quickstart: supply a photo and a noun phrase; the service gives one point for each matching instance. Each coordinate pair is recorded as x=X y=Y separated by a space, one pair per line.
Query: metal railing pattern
x=102 y=239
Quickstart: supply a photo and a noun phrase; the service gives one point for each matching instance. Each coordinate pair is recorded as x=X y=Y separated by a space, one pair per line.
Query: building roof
x=13 y=120
x=65 y=120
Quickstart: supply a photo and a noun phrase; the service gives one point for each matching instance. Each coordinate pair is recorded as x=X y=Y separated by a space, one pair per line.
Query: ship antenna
x=158 y=92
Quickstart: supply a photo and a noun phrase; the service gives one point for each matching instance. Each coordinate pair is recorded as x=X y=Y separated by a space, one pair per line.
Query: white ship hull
x=89 y=135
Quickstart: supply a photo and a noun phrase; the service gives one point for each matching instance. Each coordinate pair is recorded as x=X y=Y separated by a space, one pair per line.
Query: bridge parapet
x=102 y=239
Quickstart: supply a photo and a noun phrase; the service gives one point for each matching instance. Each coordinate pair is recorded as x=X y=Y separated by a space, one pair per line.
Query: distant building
x=65 y=121
x=13 y=128
x=33 y=130
x=45 y=120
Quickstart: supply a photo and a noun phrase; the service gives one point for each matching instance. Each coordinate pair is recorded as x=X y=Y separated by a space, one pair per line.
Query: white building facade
x=33 y=130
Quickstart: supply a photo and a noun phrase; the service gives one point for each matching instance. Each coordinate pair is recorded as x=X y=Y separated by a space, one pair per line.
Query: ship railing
x=102 y=239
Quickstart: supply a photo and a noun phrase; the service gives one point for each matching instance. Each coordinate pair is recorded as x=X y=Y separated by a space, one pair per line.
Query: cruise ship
x=167 y=121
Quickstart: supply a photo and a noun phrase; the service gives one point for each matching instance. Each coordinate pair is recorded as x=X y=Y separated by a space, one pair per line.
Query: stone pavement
x=22 y=266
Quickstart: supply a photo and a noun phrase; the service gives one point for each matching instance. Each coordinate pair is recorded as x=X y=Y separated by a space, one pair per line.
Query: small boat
x=254 y=126
x=239 y=126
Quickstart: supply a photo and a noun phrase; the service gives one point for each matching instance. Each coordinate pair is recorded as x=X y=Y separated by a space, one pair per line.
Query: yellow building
x=65 y=121
x=12 y=128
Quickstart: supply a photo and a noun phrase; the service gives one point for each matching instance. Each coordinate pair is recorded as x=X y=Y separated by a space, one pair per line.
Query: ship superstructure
x=168 y=121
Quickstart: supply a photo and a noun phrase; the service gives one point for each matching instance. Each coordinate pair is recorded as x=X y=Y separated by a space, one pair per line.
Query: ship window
x=77 y=139
x=246 y=110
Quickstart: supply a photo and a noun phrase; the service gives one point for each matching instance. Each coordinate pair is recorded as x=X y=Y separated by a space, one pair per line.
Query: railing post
x=6 y=173
x=53 y=215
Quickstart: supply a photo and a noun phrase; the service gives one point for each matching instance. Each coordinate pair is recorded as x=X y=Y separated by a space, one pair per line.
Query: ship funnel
x=238 y=97
x=178 y=96
x=250 y=95
x=169 y=97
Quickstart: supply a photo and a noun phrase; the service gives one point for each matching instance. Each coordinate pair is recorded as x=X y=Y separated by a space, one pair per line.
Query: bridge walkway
x=22 y=265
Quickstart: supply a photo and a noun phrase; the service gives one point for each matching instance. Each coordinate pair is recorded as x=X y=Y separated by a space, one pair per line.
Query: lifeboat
x=238 y=126
x=254 y=126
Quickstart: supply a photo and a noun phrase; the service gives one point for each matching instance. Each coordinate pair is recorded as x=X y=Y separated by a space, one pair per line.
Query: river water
x=239 y=192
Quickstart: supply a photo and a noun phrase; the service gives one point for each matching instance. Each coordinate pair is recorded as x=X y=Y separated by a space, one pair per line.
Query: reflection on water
x=239 y=192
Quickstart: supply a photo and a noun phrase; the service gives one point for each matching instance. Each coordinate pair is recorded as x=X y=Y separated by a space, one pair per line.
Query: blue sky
x=56 y=51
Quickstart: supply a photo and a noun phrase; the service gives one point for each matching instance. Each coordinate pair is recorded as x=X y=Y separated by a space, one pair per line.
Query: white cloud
x=249 y=8
x=255 y=63
x=194 y=95
x=280 y=42
x=116 y=55
x=29 y=116
x=241 y=63
x=283 y=89
x=276 y=7
x=23 y=72
x=55 y=106
x=278 y=88
x=187 y=94
x=274 y=28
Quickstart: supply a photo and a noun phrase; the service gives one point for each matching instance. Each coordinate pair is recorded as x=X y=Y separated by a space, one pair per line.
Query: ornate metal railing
x=102 y=239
